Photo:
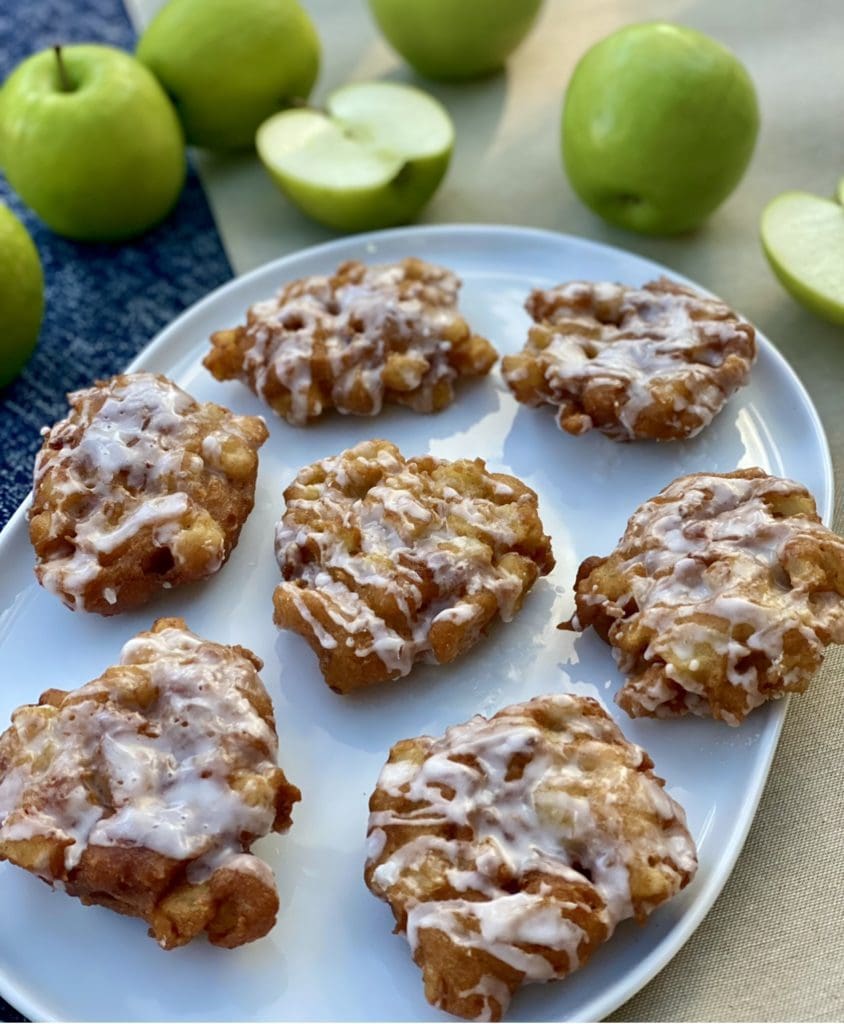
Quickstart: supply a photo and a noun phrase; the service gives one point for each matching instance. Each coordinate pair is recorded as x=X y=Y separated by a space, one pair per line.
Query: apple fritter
x=143 y=790
x=388 y=561
x=657 y=362
x=139 y=488
x=354 y=340
x=723 y=593
x=511 y=847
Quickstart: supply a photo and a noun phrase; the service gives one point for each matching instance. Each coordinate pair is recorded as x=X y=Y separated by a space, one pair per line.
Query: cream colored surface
x=772 y=948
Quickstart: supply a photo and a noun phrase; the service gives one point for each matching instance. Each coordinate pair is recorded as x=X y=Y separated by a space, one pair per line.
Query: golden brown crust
x=510 y=848
x=140 y=488
x=388 y=560
x=143 y=790
x=353 y=341
x=722 y=594
x=656 y=362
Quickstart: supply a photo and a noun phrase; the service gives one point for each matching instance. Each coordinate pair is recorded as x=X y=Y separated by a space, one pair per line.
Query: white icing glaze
x=118 y=465
x=156 y=511
x=491 y=990
x=460 y=614
x=707 y=564
x=373 y=328
x=579 y=815
x=168 y=768
x=411 y=534
x=645 y=342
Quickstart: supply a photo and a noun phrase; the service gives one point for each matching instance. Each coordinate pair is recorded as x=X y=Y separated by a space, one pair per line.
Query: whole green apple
x=90 y=141
x=803 y=238
x=229 y=64
x=21 y=296
x=455 y=39
x=659 y=124
x=371 y=159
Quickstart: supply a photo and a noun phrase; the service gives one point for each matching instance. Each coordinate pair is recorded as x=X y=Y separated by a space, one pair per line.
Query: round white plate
x=332 y=955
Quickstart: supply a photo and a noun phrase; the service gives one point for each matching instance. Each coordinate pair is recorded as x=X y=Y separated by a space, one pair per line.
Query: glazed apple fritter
x=139 y=488
x=510 y=848
x=656 y=362
x=722 y=594
x=364 y=336
x=143 y=790
x=388 y=561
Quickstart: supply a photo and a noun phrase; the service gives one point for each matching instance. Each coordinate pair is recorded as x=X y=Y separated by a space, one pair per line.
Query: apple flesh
x=803 y=238
x=229 y=64
x=455 y=39
x=372 y=159
x=21 y=296
x=659 y=125
x=91 y=144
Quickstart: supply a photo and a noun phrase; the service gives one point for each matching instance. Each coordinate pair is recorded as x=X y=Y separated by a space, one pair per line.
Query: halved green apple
x=803 y=238
x=373 y=158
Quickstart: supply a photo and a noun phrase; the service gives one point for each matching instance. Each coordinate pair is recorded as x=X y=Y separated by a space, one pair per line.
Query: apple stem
x=64 y=81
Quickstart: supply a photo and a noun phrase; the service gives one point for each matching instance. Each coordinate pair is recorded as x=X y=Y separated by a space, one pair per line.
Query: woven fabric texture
x=103 y=303
x=772 y=947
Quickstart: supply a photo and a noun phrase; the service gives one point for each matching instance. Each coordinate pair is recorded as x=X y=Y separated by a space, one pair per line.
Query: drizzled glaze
x=174 y=751
x=387 y=561
x=722 y=593
x=354 y=340
x=527 y=838
x=137 y=457
x=658 y=361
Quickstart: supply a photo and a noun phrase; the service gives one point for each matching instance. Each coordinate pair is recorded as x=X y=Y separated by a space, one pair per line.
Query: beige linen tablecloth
x=772 y=948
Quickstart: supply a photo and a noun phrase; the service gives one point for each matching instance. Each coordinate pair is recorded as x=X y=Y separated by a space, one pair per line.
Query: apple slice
x=803 y=238
x=371 y=159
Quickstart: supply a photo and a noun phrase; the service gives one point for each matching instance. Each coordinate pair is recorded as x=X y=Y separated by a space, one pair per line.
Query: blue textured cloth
x=104 y=303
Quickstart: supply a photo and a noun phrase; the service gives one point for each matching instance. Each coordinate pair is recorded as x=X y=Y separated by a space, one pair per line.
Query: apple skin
x=814 y=226
x=369 y=209
x=378 y=153
x=21 y=296
x=659 y=125
x=450 y=40
x=103 y=162
x=230 y=64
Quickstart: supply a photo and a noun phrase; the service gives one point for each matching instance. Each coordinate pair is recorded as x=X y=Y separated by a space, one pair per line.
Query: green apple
x=90 y=141
x=21 y=296
x=803 y=238
x=371 y=159
x=455 y=39
x=659 y=124
x=229 y=64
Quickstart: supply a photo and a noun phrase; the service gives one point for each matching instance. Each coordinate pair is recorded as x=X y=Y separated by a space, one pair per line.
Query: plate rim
x=631 y=982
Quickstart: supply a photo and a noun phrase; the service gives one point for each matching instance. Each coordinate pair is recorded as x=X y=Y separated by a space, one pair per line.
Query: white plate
x=332 y=955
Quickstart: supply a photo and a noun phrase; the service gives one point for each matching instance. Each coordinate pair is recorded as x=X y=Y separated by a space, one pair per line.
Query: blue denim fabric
x=104 y=302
